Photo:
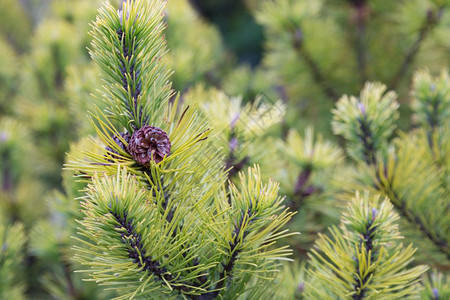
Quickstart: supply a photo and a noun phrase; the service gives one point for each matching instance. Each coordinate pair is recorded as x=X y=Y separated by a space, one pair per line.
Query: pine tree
x=157 y=217
x=168 y=203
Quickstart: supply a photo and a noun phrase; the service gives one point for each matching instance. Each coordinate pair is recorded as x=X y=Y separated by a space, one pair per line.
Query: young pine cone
x=149 y=143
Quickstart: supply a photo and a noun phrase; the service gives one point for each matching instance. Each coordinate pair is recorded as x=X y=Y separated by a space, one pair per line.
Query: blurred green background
x=304 y=53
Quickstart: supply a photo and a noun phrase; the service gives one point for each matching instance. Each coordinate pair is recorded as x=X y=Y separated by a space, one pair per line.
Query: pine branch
x=238 y=239
x=156 y=215
x=402 y=206
x=366 y=244
x=413 y=218
x=317 y=74
x=362 y=258
x=306 y=157
x=244 y=238
x=120 y=221
x=127 y=72
x=431 y=21
x=235 y=247
x=302 y=180
x=431 y=105
x=302 y=189
x=137 y=252
x=128 y=47
x=366 y=122
x=365 y=135
x=393 y=174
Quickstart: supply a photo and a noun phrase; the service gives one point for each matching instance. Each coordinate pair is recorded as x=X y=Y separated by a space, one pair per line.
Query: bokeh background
x=290 y=58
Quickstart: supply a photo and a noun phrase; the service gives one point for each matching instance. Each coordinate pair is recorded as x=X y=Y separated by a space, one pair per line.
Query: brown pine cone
x=149 y=143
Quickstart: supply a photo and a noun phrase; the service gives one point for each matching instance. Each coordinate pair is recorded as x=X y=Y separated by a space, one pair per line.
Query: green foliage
x=122 y=222
x=362 y=257
x=169 y=229
x=8 y=77
x=413 y=169
x=290 y=282
x=18 y=185
x=11 y=261
x=436 y=286
x=296 y=31
x=195 y=46
x=130 y=62
x=306 y=167
x=16 y=32
x=241 y=129
x=310 y=151
x=81 y=83
x=51 y=242
x=33 y=89
x=416 y=185
x=431 y=103
x=366 y=123
x=79 y=14
x=44 y=103
x=316 y=51
x=248 y=83
x=191 y=225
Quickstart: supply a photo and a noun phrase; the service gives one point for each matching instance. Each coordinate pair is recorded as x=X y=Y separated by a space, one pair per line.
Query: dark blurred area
x=242 y=35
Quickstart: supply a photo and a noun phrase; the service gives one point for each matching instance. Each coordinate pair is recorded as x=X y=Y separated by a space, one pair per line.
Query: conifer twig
x=314 y=68
x=366 y=242
x=302 y=189
x=429 y=23
x=368 y=141
x=400 y=206
x=367 y=123
x=71 y=290
x=235 y=249
x=157 y=221
x=398 y=202
x=362 y=258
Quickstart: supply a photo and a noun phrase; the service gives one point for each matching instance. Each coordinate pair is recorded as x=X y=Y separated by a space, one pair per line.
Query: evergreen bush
x=189 y=170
